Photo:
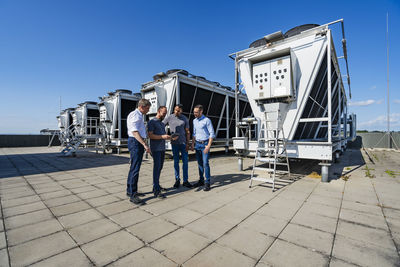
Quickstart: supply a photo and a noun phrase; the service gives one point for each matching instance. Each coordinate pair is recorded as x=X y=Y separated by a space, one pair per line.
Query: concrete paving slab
x=210 y=226
x=320 y=209
x=74 y=257
x=360 y=207
x=394 y=224
x=55 y=194
x=116 y=207
x=364 y=254
x=312 y=239
x=181 y=216
x=32 y=231
x=4 y=261
x=264 y=224
x=27 y=218
x=315 y=221
x=92 y=194
x=103 y=200
x=145 y=256
x=39 y=249
x=3 y=242
x=364 y=219
x=365 y=234
x=22 y=209
x=78 y=218
x=283 y=253
x=246 y=241
x=204 y=206
x=217 y=255
x=180 y=245
x=70 y=208
x=280 y=208
x=93 y=230
x=54 y=202
x=130 y=217
x=112 y=247
x=152 y=229
x=19 y=201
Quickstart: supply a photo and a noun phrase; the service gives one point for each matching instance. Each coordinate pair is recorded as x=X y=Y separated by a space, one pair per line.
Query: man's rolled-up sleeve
x=210 y=129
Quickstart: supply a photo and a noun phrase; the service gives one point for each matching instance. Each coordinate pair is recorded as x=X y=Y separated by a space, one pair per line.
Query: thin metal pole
x=236 y=98
x=387 y=77
x=328 y=62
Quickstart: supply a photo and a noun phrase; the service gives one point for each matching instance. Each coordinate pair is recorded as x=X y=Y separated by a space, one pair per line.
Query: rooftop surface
x=60 y=211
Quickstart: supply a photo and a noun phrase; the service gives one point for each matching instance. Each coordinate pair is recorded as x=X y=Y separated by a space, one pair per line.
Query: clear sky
x=81 y=49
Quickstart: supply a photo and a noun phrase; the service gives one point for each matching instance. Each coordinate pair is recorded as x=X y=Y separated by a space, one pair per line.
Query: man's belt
x=202 y=142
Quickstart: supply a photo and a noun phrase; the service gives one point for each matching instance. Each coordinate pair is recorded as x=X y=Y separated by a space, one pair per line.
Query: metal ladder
x=271 y=149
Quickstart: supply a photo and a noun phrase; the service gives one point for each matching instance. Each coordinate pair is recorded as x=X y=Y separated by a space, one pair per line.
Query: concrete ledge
x=26 y=140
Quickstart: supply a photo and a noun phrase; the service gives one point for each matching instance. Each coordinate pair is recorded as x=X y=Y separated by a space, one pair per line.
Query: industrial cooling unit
x=114 y=110
x=294 y=85
x=180 y=87
x=84 y=131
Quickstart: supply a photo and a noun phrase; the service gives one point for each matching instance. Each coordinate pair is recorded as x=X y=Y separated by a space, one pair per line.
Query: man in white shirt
x=136 y=145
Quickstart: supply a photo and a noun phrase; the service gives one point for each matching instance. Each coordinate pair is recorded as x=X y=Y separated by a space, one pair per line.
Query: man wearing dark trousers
x=179 y=125
x=203 y=135
x=136 y=145
x=157 y=135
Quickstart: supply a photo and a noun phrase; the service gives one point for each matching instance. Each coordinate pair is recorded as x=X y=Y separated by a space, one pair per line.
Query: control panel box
x=273 y=78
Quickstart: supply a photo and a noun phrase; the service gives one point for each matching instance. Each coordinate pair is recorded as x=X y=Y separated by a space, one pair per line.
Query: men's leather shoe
x=135 y=199
x=207 y=187
x=139 y=194
x=177 y=184
x=187 y=184
x=159 y=195
x=199 y=183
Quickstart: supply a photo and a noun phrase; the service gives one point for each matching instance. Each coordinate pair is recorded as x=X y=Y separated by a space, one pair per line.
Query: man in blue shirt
x=157 y=135
x=136 y=145
x=179 y=125
x=203 y=135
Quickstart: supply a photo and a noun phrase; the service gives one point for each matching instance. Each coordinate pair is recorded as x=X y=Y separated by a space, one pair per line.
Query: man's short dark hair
x=161 y=107
x=144 y=103
x=199 y=107
x=179 y=106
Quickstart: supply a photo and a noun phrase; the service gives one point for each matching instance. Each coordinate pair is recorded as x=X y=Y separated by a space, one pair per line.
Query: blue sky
x=80 y=50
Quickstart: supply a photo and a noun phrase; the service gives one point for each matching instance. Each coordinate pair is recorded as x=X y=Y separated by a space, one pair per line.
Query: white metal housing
x=301 y=79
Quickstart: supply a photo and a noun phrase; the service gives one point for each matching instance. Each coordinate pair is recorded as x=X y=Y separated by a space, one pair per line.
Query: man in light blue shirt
x=203 y=135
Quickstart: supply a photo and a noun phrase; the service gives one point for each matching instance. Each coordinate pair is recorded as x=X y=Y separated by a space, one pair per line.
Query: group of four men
x=203 y=135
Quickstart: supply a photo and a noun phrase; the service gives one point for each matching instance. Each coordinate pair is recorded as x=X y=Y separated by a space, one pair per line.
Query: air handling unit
x=295 y=89
x=114 y=110
x=64 y=124
x=84 y=130
x=180 y=87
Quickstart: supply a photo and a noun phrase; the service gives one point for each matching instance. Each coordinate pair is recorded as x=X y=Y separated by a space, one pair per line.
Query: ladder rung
x=266 y=159
x=263 y=169
x=262 y=179
x=270 y=170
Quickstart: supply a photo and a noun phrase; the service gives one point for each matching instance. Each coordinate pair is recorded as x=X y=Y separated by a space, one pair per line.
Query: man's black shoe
x=138 y=194
x=207 y=187
x=199 y=183
x=136 y=200
x=159 y=195
x=187 y=184
x=177 y=184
